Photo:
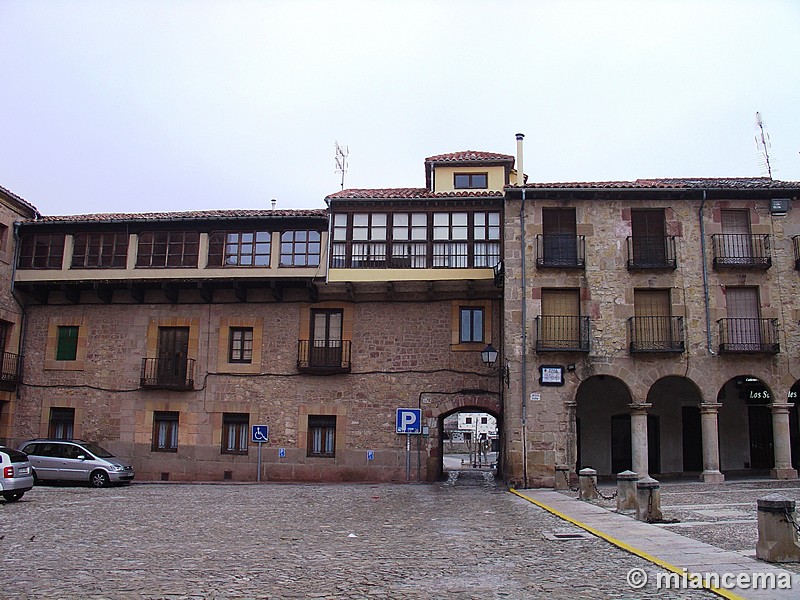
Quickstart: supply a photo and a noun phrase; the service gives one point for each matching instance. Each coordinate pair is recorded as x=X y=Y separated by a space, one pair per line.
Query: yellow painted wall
x=443 y=177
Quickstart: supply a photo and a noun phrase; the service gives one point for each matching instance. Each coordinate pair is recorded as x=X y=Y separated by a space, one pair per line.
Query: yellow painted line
x=627 y=547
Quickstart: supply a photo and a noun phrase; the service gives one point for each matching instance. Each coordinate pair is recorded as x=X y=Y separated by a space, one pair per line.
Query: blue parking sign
x=409 y=420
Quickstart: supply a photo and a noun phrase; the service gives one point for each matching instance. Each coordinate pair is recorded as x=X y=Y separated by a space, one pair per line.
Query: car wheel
x=36 y=480
x=99 y=479
x=13 y=496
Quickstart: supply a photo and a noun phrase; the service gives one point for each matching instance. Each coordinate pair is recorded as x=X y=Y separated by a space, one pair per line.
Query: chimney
x=274 y=202
x=520 y=169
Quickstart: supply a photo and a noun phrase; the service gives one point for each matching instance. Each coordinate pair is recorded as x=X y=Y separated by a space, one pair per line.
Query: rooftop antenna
x=763 y=144
x=342 y=152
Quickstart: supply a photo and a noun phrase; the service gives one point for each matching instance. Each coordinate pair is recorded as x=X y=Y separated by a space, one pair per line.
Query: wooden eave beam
x=171 y=292
x=104 y=292
x=72 y=293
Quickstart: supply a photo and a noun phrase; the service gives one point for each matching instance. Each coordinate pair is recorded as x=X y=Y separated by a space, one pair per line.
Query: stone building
x=12 y=314
x=648 y=324
x=652 y=325
x=167 y=337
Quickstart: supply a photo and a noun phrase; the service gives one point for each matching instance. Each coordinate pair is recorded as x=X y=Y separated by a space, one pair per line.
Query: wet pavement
x=462 y=538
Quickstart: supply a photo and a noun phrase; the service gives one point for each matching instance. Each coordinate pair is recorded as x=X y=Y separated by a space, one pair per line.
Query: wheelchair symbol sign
x=260 y=433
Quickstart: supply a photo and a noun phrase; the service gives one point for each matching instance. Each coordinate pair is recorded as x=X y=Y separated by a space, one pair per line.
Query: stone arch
x=745 y=425
x=676 y=445
x=437 y=406
x=599 y=400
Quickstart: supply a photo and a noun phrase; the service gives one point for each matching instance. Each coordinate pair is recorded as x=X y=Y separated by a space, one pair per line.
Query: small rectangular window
x=470 y=181
x=62 y=423
x=240 y=345
x=321 y=435
x=239 y=248
x=165 y=431
x=67 y=342
x=235 y=433
x=471 y=324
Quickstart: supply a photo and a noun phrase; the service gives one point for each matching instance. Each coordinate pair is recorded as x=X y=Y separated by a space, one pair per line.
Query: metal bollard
x=648 y=500
x=626 y=491
x=562 y=477
x=588 y=483
x=777 y=530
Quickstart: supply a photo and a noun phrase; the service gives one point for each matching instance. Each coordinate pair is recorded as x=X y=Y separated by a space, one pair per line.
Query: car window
x=50 y=450
x=31 y=449
x=15 y=455
x=70 y=451
x=98 y=451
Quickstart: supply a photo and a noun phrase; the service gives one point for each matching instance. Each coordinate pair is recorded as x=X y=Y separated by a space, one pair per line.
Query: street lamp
x=489 y=357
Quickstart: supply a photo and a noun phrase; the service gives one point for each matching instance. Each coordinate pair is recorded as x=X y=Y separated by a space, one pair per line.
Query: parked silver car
x=76 y=461
x=17 y=477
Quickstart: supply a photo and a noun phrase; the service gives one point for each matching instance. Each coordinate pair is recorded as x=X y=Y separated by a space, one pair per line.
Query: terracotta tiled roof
x=409 y=194
x=732 y=183
x=195 y=215
x=471 y=156
x=22 y=202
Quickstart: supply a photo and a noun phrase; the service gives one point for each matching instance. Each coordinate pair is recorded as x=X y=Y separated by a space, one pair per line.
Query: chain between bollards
x=790 y=519
x=602 y=495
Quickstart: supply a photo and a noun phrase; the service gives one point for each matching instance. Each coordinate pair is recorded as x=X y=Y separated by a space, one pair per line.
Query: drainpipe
x=705 y=275
x=520 y=179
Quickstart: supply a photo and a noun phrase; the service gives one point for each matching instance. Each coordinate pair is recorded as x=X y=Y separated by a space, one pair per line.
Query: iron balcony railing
x=561 y=251
x=749 y=336
x=562 y=333
x=742 y=250
x=651 y=252
x=323 y=356
x=656 y=334
x=174 y=373
x=10 y=370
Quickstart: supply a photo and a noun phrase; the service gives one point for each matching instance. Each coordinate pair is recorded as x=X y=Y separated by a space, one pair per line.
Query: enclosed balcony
x=562 y=333
x=741 y=251
x=749 y=336
x=560 y=251
x=168 y=373
x=656 y=334
x=651 y=252
x=10 y=371
x=323 y=357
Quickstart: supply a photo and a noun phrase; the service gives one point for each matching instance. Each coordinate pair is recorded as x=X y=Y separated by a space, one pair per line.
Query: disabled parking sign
x=409 y=421
x=260 y=433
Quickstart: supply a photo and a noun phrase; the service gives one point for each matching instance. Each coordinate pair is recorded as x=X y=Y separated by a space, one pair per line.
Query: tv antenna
x=342 y=152
x=763 y=144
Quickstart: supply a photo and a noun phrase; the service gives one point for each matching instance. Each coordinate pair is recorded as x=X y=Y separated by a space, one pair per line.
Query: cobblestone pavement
x=464 y=538
x=724 y=515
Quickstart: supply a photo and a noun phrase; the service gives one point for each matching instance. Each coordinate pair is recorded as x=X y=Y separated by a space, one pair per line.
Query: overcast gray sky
x=189 y=104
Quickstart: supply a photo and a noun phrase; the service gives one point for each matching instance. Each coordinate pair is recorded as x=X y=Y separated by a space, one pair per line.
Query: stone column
x=639 y=438
x=781 y=440
x=710 y=429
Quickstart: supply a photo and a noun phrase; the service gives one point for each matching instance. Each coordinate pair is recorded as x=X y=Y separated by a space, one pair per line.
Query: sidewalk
x=660 y=546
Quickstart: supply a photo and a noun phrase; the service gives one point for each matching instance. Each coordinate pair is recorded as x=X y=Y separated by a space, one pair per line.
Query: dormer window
x=470 y=181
